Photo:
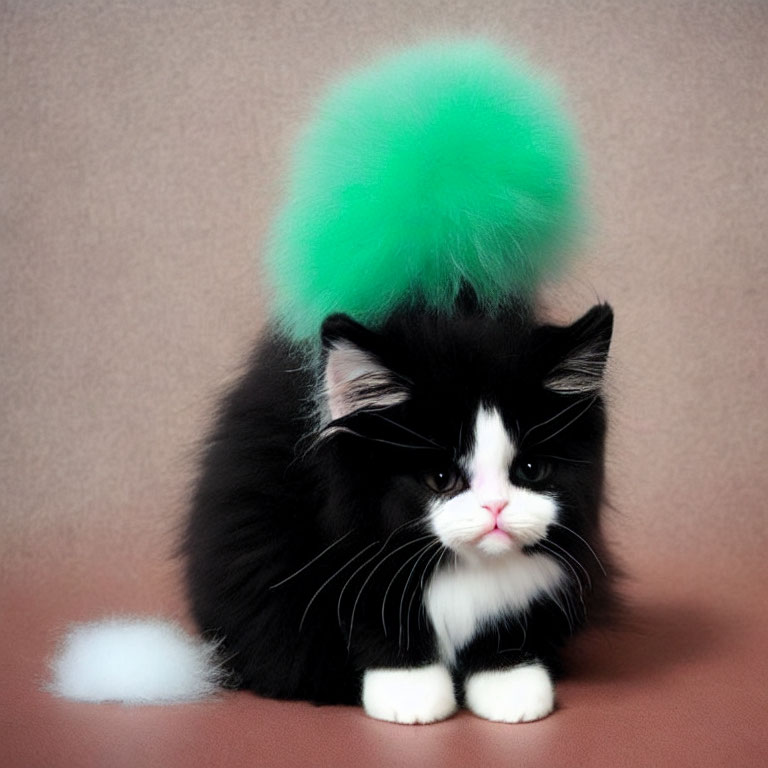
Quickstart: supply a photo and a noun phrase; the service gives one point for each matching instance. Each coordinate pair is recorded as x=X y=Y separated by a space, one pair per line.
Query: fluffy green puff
x=445 y=162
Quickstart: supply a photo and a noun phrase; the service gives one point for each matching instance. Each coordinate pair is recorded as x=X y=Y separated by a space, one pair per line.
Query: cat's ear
x=466 y=299
x=580 y=353
x=356 y=379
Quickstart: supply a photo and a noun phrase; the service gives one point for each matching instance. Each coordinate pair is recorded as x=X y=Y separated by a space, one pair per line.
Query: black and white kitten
x=411 y=523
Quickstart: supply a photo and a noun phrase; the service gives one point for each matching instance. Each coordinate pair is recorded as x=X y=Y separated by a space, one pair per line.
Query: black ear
x=579 y=353
x=356 y=378
x=466 y=299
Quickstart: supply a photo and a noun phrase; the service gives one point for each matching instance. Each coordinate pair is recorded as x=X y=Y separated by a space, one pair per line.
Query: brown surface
x=684 y=686
x=142 y=147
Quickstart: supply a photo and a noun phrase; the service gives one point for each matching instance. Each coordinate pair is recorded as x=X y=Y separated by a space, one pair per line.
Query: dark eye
x=445 y=481
x=532 y=470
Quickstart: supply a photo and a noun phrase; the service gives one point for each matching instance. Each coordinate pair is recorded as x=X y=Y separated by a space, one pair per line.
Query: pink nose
x=495 y=506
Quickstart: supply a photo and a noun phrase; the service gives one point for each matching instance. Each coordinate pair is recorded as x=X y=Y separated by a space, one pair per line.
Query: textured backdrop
x=142 y=147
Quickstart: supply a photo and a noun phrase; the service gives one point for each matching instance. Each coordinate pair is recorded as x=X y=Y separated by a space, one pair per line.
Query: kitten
x=411 y=522
x=402 y=514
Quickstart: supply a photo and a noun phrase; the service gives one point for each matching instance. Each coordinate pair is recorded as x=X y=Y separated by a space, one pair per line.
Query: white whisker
x=561 y=559
x=369 y=560
x=552 y=418
x=575 y=418
x=330 y=578
x=406 y=429
x=594 y=554
x=572 y=557
x=315 y=558
x=389 y=586
x=368 y=578
x=421 y=554
x=414 y=593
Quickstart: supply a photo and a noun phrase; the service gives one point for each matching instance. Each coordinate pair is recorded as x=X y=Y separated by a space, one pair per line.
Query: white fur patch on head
x=136 y=661
x=463 y=598
x=492 y=456
x=413 y=695
x=516 y=695
x=355 y=380
x=492 y=517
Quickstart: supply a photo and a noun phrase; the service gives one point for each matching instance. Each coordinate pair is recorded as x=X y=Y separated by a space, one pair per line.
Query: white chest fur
x=462 y=599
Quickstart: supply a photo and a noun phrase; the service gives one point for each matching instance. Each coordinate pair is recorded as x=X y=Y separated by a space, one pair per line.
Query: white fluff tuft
x=136 y=661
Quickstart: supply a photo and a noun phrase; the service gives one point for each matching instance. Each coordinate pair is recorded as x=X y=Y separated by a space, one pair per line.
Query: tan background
x=141 y=153
x=142 y=150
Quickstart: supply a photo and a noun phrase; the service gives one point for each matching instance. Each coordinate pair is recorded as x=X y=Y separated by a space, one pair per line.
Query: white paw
x=416 y=695
x=516 y=695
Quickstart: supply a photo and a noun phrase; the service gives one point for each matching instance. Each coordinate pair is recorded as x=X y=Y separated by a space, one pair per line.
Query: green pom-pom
x=444 y=163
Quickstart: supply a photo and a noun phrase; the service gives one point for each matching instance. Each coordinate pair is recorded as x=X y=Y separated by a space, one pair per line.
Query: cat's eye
x=445 y=481
x=532 y=470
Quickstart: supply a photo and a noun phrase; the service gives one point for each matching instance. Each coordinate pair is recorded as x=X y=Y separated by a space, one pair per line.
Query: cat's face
x=489 y=430
x=489 y=502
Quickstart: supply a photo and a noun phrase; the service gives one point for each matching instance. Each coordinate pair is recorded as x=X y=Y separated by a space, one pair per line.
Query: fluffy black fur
x=302 y=545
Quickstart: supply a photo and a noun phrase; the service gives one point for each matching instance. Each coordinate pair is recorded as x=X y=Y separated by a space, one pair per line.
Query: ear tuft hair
x=581 y=366
x=355 y=379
